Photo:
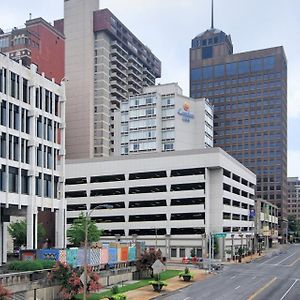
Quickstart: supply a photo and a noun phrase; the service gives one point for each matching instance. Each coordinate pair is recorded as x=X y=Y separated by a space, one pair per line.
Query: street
x=272 y=277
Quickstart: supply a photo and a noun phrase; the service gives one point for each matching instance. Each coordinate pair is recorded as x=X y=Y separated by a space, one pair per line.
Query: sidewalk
x=147 y=293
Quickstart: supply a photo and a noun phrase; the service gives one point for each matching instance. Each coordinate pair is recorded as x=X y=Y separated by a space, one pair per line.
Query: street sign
x=219 y=235
x=88 y=279
x=158 y=267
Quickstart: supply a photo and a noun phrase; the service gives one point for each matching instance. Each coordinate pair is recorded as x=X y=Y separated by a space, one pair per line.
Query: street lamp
x=87 y=216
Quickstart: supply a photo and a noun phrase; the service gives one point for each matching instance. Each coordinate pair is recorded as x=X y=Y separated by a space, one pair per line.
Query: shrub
x=5 y=293
x=115 y=290
x=29 y=265
x=119 y=297
x=186 y=272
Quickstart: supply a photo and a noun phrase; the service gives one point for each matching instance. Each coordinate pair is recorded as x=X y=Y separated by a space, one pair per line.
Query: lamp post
x=87 y=217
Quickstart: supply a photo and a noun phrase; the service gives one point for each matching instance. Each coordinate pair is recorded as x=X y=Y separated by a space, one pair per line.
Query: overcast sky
x=167 y=27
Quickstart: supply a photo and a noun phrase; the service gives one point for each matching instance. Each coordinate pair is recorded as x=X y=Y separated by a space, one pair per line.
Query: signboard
x=252 y=213
x=185 y=112
x=158 y=267
x=82 y=277
x=219 y=235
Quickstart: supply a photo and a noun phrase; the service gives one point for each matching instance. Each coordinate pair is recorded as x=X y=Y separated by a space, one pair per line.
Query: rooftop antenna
x=212 y=14
x=30 y=16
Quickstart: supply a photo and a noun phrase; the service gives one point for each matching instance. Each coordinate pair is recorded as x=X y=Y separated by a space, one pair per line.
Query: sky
x=167 y=27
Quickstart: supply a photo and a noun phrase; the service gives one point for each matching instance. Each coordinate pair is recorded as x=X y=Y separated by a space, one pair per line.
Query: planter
x=157 y=287
x=186 y=277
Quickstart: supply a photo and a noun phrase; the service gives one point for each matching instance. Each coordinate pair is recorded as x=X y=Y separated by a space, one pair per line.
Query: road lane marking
x=253 y=277
x=187 y=298
x=233 y=277
x=237 y=287
x=294 y=262
x=262 y=289
x=289 y=289
x=285 y=259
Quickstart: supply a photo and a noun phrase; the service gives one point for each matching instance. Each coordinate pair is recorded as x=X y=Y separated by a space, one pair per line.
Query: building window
x=196 y=74
x=219 y=70
x=207 y=52
x=207 y=72
x=231 y=68
x=173 y=252
x=182 y=252
x=13 y=179
x=256 y=64
x=244 y=67
x=269 y=62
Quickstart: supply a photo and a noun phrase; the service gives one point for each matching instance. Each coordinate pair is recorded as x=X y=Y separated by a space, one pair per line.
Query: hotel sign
x=185 y=112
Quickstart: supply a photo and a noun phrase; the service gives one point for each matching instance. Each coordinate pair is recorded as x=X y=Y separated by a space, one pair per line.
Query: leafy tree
x=18 y=231
x=76 y=232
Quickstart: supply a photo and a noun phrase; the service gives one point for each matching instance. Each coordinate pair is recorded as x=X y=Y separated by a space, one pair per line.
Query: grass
x=130 y=287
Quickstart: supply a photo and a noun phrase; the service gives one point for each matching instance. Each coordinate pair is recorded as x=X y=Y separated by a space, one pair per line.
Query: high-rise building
x=31 y=150
x=162 y=119
x=294 y=197
x=105 y=64
x=37 y=43
x=249 y=94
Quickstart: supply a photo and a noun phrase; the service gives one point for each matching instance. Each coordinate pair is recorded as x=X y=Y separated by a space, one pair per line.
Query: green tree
x=76 y=232
x=18 y=231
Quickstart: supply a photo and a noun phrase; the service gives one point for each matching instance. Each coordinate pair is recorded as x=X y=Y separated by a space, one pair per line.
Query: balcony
x=117 y=84
x=135 y=67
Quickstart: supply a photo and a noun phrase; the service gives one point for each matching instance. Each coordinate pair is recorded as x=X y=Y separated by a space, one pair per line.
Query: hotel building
x=162 y=119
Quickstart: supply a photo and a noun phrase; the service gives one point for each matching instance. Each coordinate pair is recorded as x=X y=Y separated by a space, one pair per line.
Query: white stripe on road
x=188 y=298
x=237 y=287
x=289 y=289
x=285 y=259
x=253 y=277
x=233 y=277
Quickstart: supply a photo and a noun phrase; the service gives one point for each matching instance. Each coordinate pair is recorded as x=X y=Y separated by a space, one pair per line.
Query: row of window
x=136 y=176
x=237 y=81
x=16 y=180
x=17 y=87
x=234 y=68
x=137 y=190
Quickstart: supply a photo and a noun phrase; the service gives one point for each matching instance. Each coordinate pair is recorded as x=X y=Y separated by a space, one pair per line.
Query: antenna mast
x=212 y=14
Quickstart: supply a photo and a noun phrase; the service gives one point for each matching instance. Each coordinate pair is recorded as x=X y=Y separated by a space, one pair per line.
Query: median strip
x=262 y=289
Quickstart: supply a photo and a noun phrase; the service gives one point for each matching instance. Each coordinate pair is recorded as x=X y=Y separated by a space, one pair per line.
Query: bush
x=28 y=265
x=119 y=297
x=186 y=272
x=115 y=290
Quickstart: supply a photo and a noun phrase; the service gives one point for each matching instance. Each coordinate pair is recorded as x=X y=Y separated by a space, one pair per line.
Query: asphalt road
x=273 y=277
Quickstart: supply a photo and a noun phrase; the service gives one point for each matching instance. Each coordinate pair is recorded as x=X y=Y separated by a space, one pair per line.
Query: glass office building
x=249 y=94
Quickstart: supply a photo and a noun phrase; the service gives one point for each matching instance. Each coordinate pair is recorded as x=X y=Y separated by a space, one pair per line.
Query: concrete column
x=31 y=228
x=4 y=243
x=60 y=229
x=1 y=240
x=168 y=254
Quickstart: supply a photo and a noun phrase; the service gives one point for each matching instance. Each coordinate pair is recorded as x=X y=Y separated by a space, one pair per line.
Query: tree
x=18 y=231
x=76 y=232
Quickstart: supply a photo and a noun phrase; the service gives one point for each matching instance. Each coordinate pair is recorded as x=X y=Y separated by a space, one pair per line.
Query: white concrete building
x=170 y=199
x=162 y=119
x=31 y=149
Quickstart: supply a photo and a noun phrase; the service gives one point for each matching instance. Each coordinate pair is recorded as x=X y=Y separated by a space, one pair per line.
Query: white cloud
x=294 y=163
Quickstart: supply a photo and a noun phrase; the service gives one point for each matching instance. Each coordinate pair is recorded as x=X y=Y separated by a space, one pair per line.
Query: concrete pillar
x=60 y=228
x=168 y=246
x=1 y=240
x=31 y=220
x=4 y=243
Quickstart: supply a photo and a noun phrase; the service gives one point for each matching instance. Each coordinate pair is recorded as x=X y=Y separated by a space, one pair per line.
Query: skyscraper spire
x=212 y=14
